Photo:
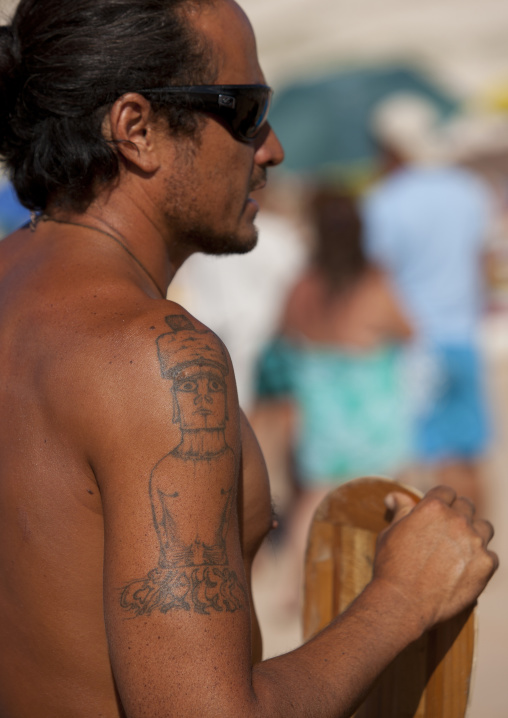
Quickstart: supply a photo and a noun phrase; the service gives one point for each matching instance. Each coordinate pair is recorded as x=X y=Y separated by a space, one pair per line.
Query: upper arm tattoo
x=193 y=571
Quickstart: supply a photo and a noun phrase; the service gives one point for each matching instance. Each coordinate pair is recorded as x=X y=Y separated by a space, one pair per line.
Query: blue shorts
x=454 y=424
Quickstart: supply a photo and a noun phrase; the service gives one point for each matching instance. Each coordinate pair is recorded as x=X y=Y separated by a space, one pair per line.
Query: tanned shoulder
x=168 y=446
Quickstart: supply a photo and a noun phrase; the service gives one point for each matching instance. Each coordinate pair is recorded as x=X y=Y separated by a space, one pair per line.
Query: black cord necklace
x=46 y=218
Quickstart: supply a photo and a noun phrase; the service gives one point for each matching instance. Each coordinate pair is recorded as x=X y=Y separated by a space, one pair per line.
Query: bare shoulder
x=137 y=367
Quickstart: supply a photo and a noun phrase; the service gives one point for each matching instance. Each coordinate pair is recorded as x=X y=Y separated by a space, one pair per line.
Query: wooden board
x=431 y=678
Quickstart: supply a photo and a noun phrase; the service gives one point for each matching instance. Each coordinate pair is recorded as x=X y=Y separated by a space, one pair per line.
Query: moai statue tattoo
x=193 y=573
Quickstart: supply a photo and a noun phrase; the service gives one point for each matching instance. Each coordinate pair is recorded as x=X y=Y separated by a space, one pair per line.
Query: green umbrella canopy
x=323 y=123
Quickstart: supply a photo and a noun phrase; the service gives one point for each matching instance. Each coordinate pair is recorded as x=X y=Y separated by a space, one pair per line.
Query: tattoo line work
x=193 y=572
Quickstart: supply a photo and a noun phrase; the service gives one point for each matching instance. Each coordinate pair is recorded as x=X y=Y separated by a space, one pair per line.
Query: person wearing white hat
x=426 y=223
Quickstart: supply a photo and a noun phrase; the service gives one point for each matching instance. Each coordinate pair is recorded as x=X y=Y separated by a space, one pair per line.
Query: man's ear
x=132 y=127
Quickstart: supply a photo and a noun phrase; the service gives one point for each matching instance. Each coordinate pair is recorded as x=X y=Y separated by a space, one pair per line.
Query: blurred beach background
x=461 y=48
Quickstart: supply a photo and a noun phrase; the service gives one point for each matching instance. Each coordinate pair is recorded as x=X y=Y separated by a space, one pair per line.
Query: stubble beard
x=195 y=235
x=219 y=244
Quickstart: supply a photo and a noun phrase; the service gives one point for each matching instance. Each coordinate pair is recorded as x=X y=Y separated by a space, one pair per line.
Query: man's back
x=59 y=349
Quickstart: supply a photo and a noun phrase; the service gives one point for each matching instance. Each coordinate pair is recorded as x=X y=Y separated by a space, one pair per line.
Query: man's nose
x=269 y=151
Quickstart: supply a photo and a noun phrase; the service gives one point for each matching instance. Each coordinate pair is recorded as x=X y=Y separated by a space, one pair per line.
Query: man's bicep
x=176 y=604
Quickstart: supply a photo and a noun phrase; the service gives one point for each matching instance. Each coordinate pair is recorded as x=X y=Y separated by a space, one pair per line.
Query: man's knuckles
x=484 y=529
x=443 y=493
x=435 y=508
x=464 y=506
x=493 y=562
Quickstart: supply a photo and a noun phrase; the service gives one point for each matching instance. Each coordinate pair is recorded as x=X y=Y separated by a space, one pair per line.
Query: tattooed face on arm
x=192 y=488
x=200 y=394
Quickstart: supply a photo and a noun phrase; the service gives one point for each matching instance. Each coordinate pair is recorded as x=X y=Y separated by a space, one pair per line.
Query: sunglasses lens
x=252 y=107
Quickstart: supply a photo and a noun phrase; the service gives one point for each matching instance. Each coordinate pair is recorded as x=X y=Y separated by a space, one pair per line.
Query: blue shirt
x=426 y=227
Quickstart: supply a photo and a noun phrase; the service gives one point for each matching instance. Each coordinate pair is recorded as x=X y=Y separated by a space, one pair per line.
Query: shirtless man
x=133 y=495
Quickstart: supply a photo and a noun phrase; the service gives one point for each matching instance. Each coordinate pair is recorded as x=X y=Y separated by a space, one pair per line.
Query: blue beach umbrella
x=323 y=123
x=12 y=213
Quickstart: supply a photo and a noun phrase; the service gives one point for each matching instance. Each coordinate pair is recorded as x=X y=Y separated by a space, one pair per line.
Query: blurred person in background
x=426 y=223
x=331 y=380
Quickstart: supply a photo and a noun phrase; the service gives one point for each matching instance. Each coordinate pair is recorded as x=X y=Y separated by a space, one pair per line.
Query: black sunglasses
x=243 y=108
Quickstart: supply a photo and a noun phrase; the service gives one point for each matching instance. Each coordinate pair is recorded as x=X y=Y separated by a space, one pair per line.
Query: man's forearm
x=329 y=676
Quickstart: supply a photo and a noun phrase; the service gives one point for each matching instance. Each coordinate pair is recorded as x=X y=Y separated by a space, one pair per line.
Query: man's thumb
x=399 y=504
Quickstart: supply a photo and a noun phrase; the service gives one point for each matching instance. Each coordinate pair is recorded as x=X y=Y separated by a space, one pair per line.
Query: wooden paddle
x=431 y=678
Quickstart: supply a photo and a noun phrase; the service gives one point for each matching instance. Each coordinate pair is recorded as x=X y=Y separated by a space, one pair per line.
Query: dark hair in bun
x=10 y=66
x=62 y=65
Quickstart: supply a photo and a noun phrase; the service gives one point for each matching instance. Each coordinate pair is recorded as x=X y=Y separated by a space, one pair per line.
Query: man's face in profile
x=208 y=203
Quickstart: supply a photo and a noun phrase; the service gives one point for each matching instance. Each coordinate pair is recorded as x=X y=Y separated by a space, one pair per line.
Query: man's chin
x=219 y=245
x=243 y=247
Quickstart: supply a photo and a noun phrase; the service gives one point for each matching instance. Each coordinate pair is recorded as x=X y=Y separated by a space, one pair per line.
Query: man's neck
x=125 y=213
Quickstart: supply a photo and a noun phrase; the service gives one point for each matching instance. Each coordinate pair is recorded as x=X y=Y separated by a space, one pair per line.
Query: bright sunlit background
x=463 y=43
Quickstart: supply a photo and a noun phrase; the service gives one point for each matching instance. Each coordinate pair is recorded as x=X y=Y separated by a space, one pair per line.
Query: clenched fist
x=435 y=554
